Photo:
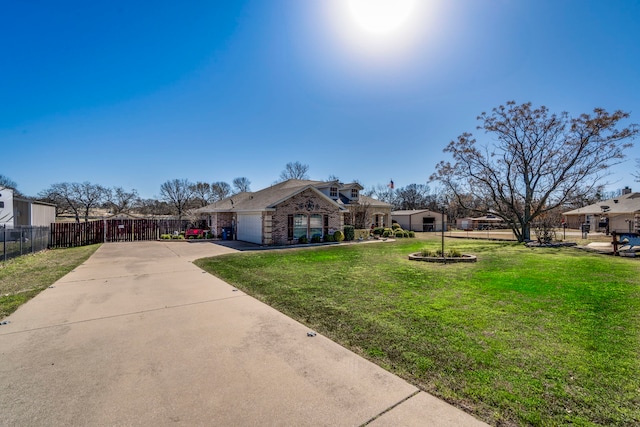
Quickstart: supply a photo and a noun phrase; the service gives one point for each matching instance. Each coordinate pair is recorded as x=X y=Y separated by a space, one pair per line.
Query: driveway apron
x=138 y=335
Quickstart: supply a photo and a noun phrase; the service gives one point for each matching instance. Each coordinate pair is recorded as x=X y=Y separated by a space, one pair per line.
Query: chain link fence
x=22 y=240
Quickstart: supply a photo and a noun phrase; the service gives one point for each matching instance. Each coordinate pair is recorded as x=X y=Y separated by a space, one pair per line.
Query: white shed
x=420 y=220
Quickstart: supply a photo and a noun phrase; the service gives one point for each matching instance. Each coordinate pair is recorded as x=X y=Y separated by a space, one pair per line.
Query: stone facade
x=308 y=202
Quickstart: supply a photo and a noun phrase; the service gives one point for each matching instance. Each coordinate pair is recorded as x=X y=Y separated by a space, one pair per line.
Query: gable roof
x=267 y=198
x=627 y=203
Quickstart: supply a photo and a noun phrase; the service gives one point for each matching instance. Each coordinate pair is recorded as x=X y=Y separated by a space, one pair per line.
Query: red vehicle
x=197 y=233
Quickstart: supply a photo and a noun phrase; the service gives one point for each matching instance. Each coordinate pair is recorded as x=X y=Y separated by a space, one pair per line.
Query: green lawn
x=522 y=337
x=24 y=277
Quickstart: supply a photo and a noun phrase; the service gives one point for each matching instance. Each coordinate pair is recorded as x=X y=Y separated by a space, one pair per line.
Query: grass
x=24 y=277
x=522 y=337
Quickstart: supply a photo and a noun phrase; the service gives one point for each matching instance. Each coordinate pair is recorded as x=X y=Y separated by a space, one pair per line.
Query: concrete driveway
x=138 y=335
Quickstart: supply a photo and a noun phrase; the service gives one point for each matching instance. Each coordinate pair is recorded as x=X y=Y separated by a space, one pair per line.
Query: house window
x=333 y=192
x=290 y=227
x=299 y=226
x=315 y=225
x=354 y=193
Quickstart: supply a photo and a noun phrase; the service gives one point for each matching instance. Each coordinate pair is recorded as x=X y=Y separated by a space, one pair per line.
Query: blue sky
x=132 y=93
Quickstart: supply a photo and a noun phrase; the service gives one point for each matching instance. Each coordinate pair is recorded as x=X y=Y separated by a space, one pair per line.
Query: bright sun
x=381 y=17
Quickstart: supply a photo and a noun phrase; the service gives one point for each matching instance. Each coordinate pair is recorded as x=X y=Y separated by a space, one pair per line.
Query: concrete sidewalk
x=138 y=335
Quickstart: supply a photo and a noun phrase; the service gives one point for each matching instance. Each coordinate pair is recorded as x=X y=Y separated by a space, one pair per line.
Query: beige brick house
x=286 y=211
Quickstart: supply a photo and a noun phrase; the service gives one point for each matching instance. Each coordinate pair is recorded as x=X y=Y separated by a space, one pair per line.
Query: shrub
x=349 y=233
x=386 y=233
x=406 y=234
x=454 y=253
x=378 y=231
x=412 y=234
x=329 y=238
x=303 y=239
x=165 y=236
x=395 y=225
x=338 y=236
x=428 y=253
x=316 y=238
x=399 y=234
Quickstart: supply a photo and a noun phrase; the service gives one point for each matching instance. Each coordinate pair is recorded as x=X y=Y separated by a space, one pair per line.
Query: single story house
x=621 y=214
x=479 y=223
x=17 y=211
x=284 y=212
x=420 y=220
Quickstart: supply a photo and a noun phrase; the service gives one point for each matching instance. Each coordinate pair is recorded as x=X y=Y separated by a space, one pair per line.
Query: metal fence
x=22 y=240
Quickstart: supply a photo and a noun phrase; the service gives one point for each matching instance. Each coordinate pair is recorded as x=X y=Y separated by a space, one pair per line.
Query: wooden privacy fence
x=66 y=235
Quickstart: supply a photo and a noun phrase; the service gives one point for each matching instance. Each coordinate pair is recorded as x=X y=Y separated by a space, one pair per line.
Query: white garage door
x=250 y=228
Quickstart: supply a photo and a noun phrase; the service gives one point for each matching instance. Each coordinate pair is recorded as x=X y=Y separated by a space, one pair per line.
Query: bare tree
x=414 y=196
x=88 y=196
x=63 y=196
x=241 y=184
x=220 y=190
x=154 y=207
x=535 y=160
x=119 y=200
x=178 y=193
x=360 y=215
x=294 y=170
x=202 y=193
x=384 y=193
x=6 y=182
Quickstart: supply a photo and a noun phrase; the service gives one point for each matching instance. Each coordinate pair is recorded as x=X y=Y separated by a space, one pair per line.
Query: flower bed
x=447 y=259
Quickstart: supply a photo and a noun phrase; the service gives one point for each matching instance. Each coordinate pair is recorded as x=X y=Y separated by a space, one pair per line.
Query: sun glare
x=379 y=30
x=381 y=17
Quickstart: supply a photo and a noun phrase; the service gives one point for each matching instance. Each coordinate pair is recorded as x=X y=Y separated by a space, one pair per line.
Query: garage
x=249 y=227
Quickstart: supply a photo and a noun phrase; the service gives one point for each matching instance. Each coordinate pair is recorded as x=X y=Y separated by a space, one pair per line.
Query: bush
x=386 y=233
x=399 y=234
x=316 y=238
x=329 y=238
x=406 y=234
x=165 y=236
x=349 y=232
x=412 y=234
x=378 y=231
x=338 y=236
x=454 y=253
x=395 y=225
x=303 y=239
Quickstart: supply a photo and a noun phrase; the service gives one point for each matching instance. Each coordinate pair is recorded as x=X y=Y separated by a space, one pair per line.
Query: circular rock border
x=464 y=258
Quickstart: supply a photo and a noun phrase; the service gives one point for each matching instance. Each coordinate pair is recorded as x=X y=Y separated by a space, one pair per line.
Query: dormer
x=351 y=192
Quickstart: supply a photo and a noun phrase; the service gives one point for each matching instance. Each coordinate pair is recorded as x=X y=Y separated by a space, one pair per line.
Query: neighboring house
x=6 y=207
x=16 y=211
x=479 y=223
x=288 y=210
x=420 y=220
x=621 y=214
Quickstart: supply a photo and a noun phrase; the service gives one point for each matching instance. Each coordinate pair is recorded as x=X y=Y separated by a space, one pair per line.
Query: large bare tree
x=178 y=193
x=294 y=170
x=220 y=190
x=202 y=193
x=241 y=185
x=534 y=160
x=88 y=196
x=120 y=200
x=74 y=197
